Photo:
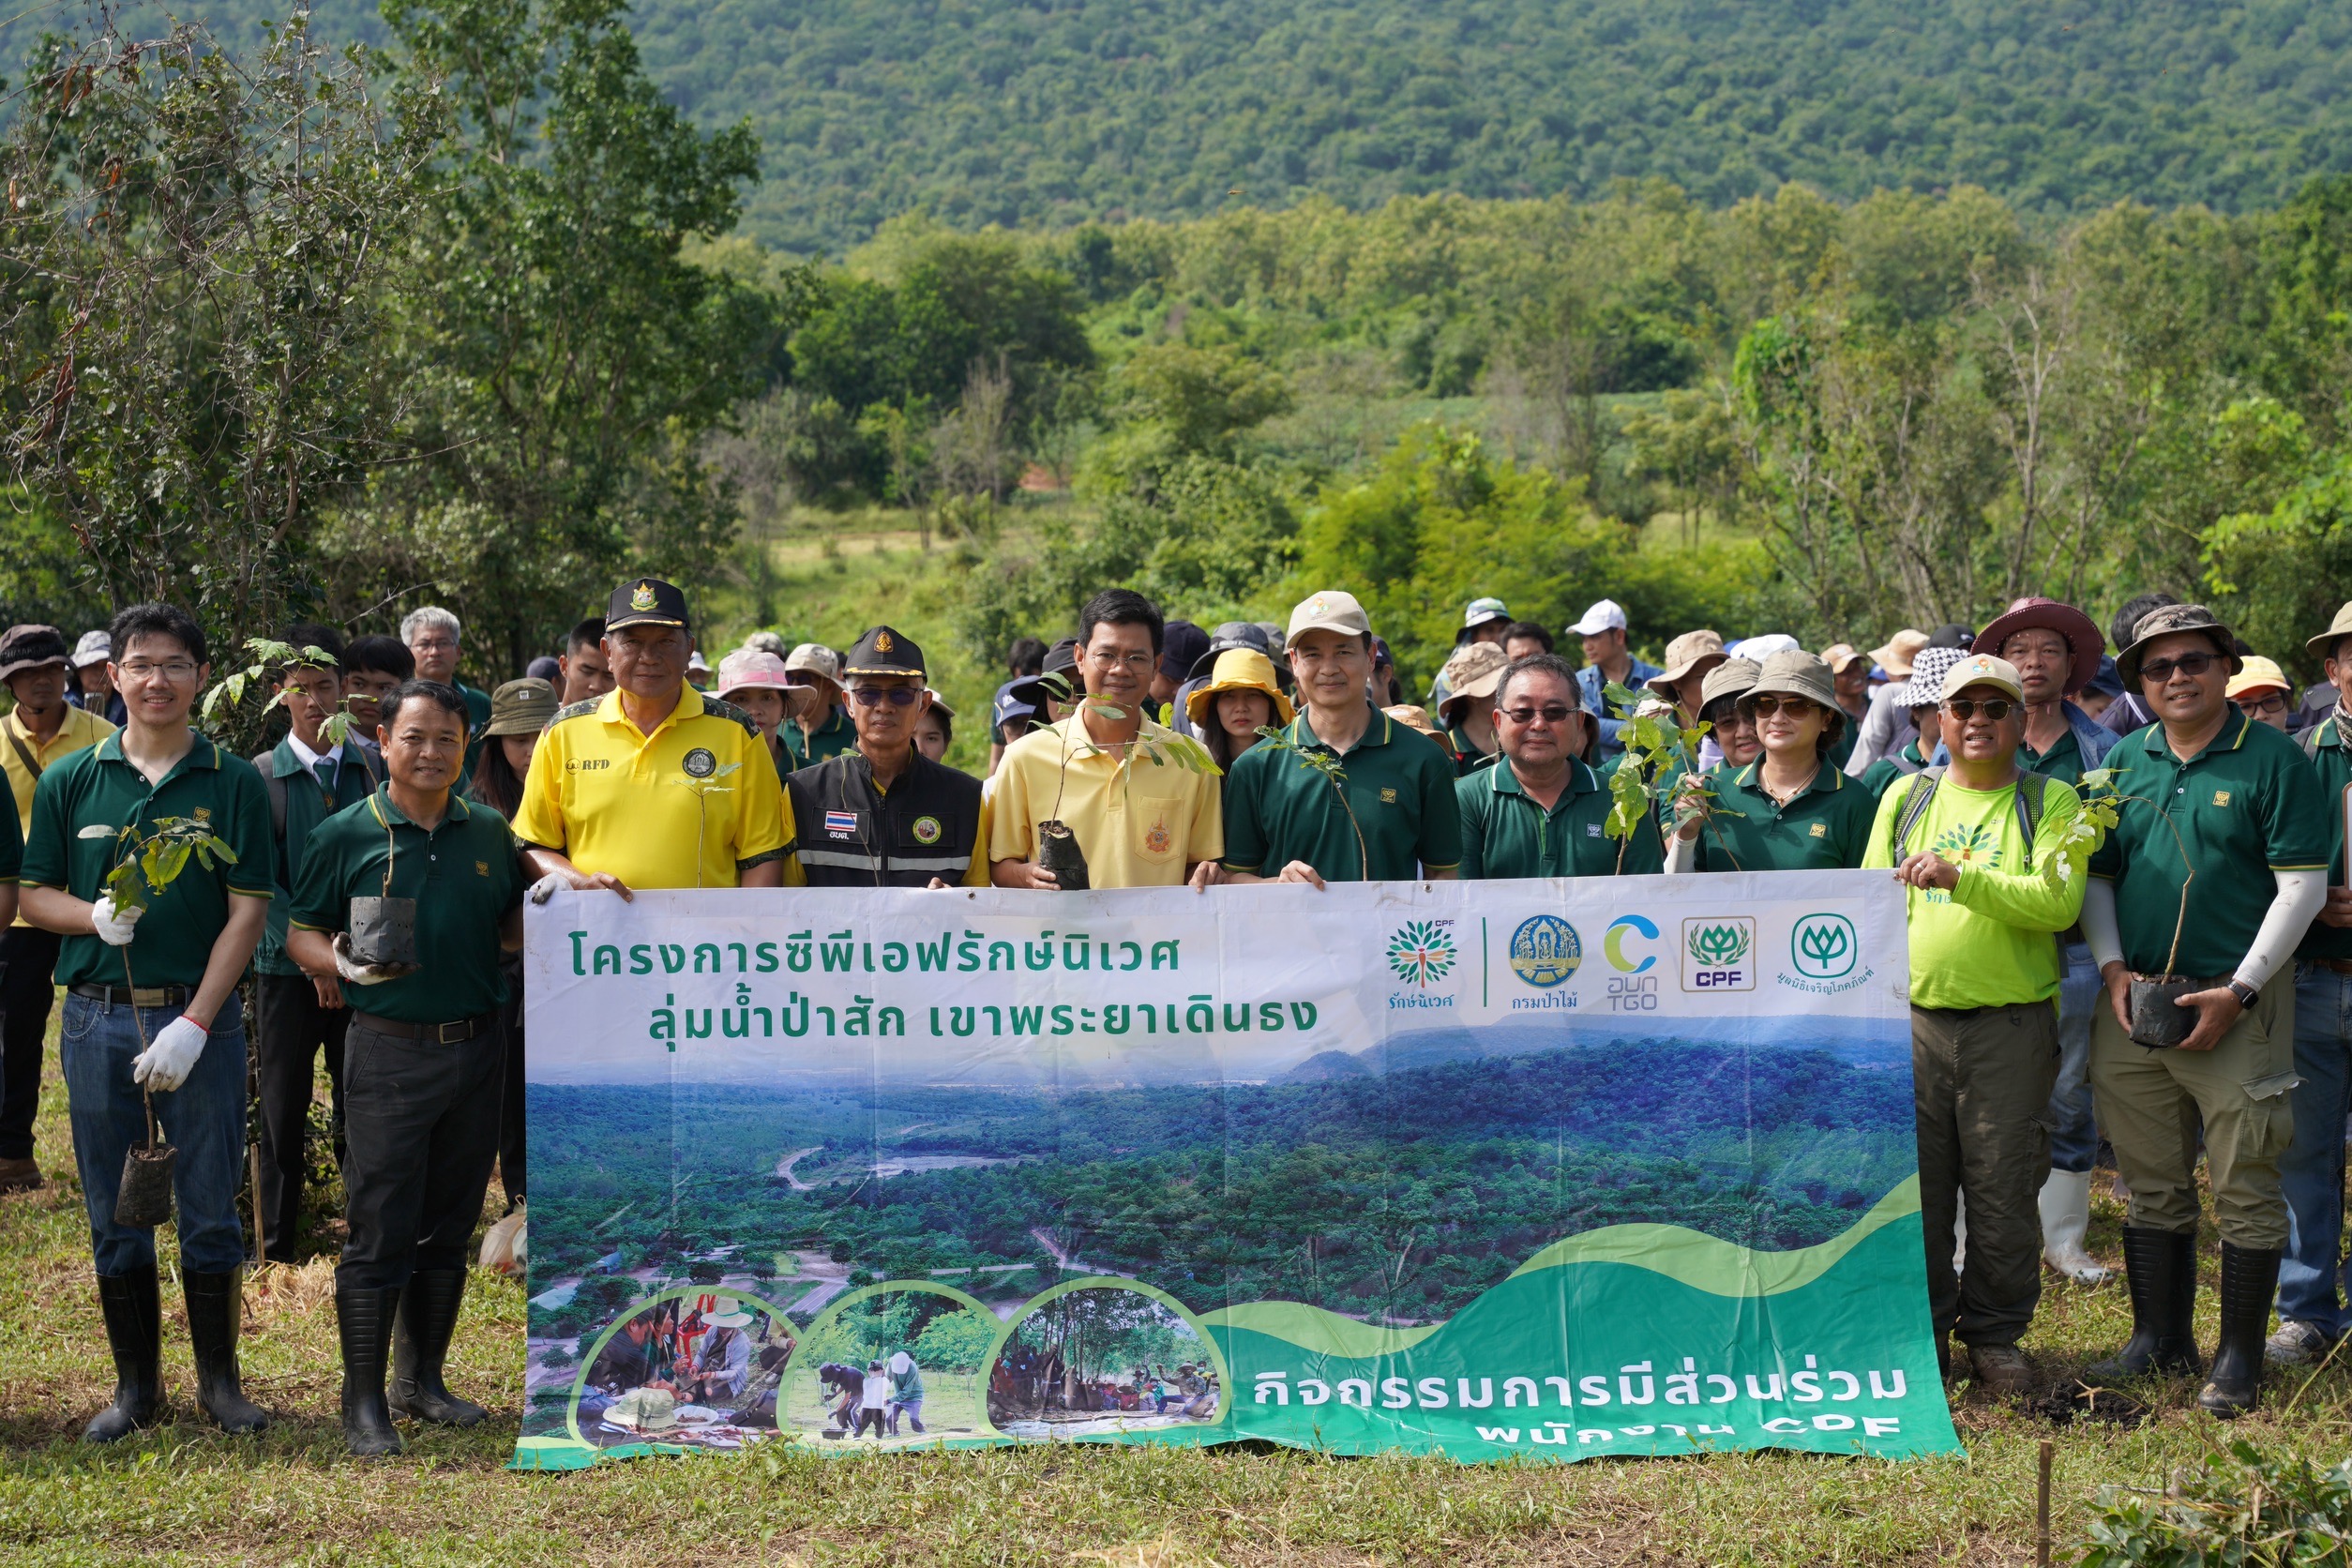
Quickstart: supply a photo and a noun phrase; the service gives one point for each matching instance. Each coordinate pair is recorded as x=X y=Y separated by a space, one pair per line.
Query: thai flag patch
x=841 y=825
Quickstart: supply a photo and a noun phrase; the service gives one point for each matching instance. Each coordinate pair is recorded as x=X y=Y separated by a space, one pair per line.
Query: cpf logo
x=1627 y=927
x=1545 y=951
x=1716 y=953
x=1823 y=946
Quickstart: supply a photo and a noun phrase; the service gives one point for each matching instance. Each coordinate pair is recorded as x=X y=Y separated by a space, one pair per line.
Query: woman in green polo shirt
x=1792 y=809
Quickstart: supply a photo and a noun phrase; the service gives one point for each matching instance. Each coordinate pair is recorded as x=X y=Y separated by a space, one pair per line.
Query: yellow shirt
x=80 y=729
x=695 y=804
x=1138 y=821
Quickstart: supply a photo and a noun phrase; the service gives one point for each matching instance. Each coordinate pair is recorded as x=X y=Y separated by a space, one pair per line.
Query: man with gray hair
x=432 y=635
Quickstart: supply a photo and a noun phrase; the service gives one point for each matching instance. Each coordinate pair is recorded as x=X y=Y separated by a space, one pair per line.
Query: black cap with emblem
x=884 y=652
x=645 y=601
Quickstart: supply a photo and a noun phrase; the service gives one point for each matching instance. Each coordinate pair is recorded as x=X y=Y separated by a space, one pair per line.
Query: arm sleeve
x=249 y=834
x=1440 y=816
x=1205 y=839
x=1244 y=835
x=1681 y=855
x=2295 y=837
x=2098 y=924
x=2025 y=899
x=2301 y=895
x=1471 y=803
x=318 y=902
x=763 y=822
x=539 y=816
x=976 y=872
x=1009 y=825
x=47 y=851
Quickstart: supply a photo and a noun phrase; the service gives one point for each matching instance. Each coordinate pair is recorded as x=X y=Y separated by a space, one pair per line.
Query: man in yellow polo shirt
x=653 y=785
x=1143 y=801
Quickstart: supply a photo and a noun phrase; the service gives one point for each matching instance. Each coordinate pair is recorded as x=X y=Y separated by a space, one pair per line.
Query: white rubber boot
x=2065 y=1218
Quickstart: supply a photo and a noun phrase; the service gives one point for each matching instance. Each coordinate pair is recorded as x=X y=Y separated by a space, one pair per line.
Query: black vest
x=853 y=835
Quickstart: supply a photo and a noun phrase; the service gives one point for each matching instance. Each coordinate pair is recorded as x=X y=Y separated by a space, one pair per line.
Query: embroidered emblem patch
x=927 y=830
x=699 y=763
x=481 y=867
x=1158 y=839
x=841 y=825
x=2220 y=797
x=1388 y=796
x=1820 y=830
x=881 y=642
x=203 y=813
x=643 y=597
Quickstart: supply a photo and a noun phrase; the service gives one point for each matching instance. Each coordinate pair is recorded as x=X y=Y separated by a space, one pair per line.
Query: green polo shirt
x=96 y=789
x=1880 y=776
x=477 y=717
x=1506 y=834
x=307 y=804
x=2062 y=762
x=2331 y=757
x=1399 y=786
x=464 y=875
x=833 y=737
x=1467 y=758
x=1825 y=828
x=2246 y=805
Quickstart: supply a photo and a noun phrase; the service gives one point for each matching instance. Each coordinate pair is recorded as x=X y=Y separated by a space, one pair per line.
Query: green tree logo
x=1422 y=952
x=1720 y=946
x=1969 y=844
x=1824 y=947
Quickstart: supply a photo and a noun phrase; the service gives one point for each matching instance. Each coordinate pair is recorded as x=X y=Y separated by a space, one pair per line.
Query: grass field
x=186 y=1493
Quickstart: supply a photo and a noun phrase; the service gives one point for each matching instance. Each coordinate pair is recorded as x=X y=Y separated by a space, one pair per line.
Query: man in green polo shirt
x=433 y=637
x=1790 y=809
x=1351 y=795
x=2240 y=804
x=1542 y=811
x=152 y=1011
x=423 y=1056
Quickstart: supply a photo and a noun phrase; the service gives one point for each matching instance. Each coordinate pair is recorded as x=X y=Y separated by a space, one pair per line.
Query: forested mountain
x=1054 y=110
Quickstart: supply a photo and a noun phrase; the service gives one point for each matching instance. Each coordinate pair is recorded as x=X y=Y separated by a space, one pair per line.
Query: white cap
x=1605 y=615
x=1763 y=647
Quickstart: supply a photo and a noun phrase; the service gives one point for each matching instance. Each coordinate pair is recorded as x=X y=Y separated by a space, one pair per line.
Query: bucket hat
x=1474 y=670
x=1684 y=658
x=1730 y=678
x=1477 y=613
x=30 y=647
x=1839 y=657
x=1238 y=670
x=1926 y=689
x=1894 y=655
x=2083 y=636
x=1798 y=673
x=749 y=667
x=2169 y=621
x=2324 y=645
x=814 y=658
x=522 y=707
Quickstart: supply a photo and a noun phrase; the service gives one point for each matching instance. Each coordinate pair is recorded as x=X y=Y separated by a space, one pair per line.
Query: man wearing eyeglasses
x=1143 y=800
x=885 y=815
x=1966 y=840
x=2260 y=691
x=2215 y=871
x=2312 y=1315
x=1542 y=811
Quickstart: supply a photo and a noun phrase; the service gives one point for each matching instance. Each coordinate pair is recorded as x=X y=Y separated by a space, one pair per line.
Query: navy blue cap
x=1009 y=704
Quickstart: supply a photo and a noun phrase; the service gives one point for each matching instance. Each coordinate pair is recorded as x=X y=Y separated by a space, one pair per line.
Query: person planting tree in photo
x=152 y=1010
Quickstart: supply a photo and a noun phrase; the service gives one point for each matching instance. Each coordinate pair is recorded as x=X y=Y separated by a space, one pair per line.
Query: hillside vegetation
x=1023 y=112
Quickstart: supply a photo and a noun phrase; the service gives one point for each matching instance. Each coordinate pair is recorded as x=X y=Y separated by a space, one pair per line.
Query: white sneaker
x=2065 y=1205
x=2296 y=1344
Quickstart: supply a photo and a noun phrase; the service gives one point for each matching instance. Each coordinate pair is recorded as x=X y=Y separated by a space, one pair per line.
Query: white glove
x=358 y=974
x=547 y=886
x=114 y=925
x=166 y=1065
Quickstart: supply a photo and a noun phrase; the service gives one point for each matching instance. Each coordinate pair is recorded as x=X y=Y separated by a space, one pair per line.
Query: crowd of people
x=2189 y=995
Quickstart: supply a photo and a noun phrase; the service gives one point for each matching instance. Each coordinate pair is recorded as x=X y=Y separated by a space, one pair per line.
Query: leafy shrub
x=2240 y=1507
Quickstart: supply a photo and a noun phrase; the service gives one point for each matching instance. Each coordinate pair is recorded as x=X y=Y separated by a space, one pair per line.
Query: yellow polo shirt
x=78 y=732
x=695 y=804
x=1138 y=821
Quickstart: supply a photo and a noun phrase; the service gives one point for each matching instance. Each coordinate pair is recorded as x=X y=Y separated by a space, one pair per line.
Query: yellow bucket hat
x=1238 y=670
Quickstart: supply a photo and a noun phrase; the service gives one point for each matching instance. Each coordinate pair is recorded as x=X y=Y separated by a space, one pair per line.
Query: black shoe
x=363 y=1320
x=216 y=1306
x=2162 y=1269
x=420 y=1342
x=134 y=1332
x=2249 y=1280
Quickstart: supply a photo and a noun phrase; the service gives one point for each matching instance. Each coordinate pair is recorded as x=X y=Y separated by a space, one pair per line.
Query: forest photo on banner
x=1557 y=1169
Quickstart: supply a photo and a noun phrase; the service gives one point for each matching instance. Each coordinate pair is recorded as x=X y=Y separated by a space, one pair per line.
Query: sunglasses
x=2190 y=665
x=1966 y=708
x=874 y=697
x=1795 y=707
x=1550 y=713
x=2256 y=706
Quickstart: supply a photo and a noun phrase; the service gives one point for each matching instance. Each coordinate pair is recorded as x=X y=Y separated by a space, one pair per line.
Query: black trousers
x=513 y=1148
x=28 y=960
x=291 y=1032
x=420 y=1129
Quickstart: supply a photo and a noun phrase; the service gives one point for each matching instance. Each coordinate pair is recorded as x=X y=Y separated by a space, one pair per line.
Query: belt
x=2333 y=966
x=136 y=996
x=455 y=1033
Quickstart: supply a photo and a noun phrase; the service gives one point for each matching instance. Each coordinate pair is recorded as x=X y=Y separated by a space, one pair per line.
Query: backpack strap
x=265 y=763
x=1914 y=808
x=2033 y=795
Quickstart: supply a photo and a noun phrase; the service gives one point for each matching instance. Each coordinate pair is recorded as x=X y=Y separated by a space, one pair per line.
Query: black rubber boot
x=2162 y=1268
x=2249 y=1280
x=420 y=1342
x=363 y=1319
x=134 y=1332
x=216 y=1307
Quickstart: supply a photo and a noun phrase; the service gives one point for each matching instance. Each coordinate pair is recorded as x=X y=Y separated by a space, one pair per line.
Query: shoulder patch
x=714 y=708
x=574 y=710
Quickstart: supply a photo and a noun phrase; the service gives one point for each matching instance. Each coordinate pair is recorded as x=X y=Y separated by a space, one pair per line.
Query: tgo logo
x=1716 y=950
x=1622 y=930
x=1823 y=947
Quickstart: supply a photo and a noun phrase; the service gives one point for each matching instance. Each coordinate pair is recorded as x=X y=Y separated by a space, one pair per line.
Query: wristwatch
x=2247 y=996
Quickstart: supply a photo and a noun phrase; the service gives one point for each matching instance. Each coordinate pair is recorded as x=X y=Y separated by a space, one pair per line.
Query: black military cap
x=646 y=601
x=884 y=652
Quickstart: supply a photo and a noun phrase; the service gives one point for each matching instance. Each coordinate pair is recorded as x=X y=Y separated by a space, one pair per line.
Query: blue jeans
x=203 y=1119
x=2312 y=1171
x=2074 y=1133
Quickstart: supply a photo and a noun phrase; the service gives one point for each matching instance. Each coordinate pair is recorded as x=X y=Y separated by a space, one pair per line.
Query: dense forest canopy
x=1051 y=111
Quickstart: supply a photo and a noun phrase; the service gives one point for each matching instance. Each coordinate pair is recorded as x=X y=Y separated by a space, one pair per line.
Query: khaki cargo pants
x=1981 y=1082
x=2151 y=1104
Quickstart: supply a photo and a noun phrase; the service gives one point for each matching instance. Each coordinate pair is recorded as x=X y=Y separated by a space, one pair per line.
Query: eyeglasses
x=1795 y=707
x=2258 y=707
x=1113 y=659
x=1966 y=708
x=874 y=697
x=2190 y=665
x=1550 y=713
x=173 y=669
